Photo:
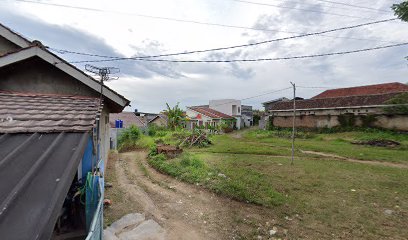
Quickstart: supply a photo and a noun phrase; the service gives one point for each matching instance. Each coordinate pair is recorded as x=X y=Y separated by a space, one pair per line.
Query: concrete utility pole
x=294 y=121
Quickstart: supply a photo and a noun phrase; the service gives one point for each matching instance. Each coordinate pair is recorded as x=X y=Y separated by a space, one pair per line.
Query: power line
x=111 y=58
x=300 y=9
x=260 y=95
x=352 y=5
x=176 y=19
x=252 y=60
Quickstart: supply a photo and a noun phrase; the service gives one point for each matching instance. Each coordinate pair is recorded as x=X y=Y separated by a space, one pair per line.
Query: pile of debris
x=198 y=139
x=378 y=143
x=168 y=150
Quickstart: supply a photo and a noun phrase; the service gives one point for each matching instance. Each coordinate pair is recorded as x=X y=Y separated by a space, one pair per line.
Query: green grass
x=340 y=144
x=242 y=184
x=332 y=198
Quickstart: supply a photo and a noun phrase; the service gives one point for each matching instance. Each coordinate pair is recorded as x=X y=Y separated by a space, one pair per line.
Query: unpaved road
x=186 y=211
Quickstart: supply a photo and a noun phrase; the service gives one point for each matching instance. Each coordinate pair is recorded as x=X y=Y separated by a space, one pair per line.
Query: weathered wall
x=395 y=122
x=37 y=76
x=7 y=46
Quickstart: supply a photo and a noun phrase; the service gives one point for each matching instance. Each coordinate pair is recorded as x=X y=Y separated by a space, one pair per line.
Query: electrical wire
x=251 y=60
x=352 y=5
x=301 y=9
x=177 y=19
x=112 y=58
x=256 y=96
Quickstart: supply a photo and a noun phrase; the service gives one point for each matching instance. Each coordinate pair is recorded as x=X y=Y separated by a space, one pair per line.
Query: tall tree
x=175 y=116
x=401 y=10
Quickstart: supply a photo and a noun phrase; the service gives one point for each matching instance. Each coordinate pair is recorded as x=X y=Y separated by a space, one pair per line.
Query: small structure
x=205 y=117
x=242 y=113
x=355 y=106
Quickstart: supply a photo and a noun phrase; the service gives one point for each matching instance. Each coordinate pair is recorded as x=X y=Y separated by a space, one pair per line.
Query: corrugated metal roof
x=36 y=171
x=22 y=112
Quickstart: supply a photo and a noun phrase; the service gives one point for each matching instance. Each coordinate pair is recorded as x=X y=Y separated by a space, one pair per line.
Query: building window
x=239 y=110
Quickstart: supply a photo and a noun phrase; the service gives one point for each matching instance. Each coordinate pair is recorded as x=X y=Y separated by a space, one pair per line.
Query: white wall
x=226 y=106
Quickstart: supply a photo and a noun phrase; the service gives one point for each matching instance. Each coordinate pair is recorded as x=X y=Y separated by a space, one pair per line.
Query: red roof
x=351 y=101
x=364 y=90
x=211 y=112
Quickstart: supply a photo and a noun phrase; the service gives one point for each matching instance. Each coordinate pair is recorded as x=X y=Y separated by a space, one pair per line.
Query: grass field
x=333 y=197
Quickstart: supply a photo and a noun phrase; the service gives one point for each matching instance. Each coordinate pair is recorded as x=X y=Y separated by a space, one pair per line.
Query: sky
x=125 y=28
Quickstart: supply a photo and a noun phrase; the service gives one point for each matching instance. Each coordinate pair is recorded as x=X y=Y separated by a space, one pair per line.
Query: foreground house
x=356 y=106
x=204 y=117
x=54 y=140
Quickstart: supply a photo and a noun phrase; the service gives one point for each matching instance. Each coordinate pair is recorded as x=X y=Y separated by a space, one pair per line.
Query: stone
x=388 y=211
x=146 y=230
x=130 y=219
x=222 y=175
x=272 y=232
x=109 y=235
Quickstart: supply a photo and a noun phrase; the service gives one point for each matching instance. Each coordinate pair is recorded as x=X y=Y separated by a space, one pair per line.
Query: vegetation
x=175 y=116
x=128 y=138
x=399 y=99
x=401 y=10
x=240 y=185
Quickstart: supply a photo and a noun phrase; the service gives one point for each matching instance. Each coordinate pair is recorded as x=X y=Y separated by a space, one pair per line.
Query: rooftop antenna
x=103 y=73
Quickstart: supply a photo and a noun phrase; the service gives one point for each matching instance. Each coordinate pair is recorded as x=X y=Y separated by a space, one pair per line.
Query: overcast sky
x=119 y=29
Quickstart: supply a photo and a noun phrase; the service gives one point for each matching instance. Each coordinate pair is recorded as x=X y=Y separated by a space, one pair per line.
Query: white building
x=234 y=108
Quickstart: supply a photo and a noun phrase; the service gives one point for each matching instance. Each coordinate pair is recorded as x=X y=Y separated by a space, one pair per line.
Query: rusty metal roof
x=351 y=101
x=36 y=171
x=383 y=88
x=25 y=112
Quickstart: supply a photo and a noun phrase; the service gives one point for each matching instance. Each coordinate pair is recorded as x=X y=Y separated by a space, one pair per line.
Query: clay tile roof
x=211 y=112
x=26 y=112
x=128 y=118
x=364 y=90
x=351 y=101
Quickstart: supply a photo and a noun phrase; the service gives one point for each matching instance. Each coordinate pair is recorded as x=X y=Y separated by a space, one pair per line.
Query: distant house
x=54 y=138
x=357 y=106
x=204 y=117
x=160 y=120
x=128 y=119
x=243 y=114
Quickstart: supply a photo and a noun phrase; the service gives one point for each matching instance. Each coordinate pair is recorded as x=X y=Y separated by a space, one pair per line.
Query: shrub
x=128 y=138
x=154 y=130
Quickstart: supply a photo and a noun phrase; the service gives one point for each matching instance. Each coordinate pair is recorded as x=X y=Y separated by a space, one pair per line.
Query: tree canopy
x=401 y=10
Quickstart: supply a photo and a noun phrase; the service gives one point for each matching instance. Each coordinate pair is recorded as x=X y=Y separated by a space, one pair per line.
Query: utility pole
x=294 y=121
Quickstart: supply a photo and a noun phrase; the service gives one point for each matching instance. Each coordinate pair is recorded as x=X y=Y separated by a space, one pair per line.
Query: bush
x=154 y=130
x=128 y=138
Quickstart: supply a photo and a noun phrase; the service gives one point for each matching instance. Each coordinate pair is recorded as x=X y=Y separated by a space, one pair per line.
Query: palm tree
x=175 y=116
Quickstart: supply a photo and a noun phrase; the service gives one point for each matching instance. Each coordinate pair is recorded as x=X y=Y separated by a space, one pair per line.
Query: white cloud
x=118 y=31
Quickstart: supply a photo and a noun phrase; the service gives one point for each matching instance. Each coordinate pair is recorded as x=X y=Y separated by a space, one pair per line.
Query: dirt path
x=187 y=211
x=371 y=162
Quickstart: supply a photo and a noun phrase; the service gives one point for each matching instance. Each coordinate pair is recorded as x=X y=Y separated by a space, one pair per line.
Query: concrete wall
x=394 y=122
x=7 y=46
x=227 y=106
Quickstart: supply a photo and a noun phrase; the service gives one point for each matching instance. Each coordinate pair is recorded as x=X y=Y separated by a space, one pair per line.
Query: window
x=239 y=110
